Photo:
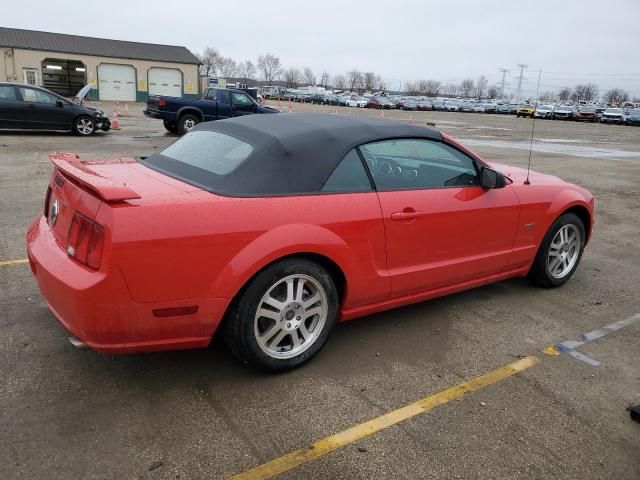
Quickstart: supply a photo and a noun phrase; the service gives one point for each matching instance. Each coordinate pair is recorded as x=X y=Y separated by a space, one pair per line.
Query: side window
x=209 y=94
x=223 y=96
x=348 y=176
x=418 y=164
x=36 y=96
x=7 y=93
x=241 y=99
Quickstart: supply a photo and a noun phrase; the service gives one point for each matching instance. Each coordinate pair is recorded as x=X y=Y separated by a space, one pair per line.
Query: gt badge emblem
x=53 y=213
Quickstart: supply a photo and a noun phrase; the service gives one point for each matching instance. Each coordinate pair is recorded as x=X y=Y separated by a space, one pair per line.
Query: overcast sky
x=572 y=41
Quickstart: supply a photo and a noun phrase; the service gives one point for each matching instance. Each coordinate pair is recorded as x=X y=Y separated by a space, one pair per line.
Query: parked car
x=452 y=105
x=478 y=107
x=26 y=107
x=425 y=105
x=585 y=113
x=408 y=104
x=544 y=111
x=526 y=110
x=504 y=108
x=182 y=114
x=467 y=106
x=564 y=112
x=380 y=103
x=612 y=115
x=439 y=105
x=355 y=101
x=160 y=252
x=633 y=118
x=490 y=107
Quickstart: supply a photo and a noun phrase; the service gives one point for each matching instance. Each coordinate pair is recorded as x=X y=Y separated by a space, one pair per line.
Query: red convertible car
x=272 y=228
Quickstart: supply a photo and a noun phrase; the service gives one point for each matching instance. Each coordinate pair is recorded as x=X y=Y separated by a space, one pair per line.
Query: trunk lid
x=84 y=186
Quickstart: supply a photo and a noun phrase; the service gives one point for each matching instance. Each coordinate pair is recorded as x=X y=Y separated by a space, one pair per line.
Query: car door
x=442 y=228
x=45 y=111
x=242 y=104
x=11 y=114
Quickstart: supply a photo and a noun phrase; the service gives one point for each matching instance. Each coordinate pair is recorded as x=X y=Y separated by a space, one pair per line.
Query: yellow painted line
x=13 y=262
x=333 y=442
x=551 y=350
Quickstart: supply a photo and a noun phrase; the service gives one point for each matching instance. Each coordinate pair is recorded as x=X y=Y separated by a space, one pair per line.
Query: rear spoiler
x=107 y=190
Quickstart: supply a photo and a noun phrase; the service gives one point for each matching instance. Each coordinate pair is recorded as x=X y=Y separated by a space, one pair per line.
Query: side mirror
x=491 y=178
x=59 y=103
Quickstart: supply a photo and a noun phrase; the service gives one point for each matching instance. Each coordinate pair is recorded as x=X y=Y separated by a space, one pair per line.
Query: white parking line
x=569 y=346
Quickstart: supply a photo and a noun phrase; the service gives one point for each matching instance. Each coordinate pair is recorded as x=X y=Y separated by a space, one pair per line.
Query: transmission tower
x=504 y=72
x=522 y=67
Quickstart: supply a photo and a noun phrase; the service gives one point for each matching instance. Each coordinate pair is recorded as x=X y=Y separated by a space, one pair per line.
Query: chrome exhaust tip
x=76 y=342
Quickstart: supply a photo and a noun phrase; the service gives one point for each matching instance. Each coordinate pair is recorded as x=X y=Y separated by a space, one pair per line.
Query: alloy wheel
x=290 y=316
x=564 y=251
x=85 y=126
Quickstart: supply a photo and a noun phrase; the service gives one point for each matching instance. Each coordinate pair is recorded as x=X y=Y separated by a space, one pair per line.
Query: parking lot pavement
x=67 y=413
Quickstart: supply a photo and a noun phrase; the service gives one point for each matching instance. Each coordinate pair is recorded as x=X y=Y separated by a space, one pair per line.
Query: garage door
x=116 y=82
x=165 y=81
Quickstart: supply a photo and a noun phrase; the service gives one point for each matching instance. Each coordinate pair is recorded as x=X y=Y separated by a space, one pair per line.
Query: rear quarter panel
x=201 y=245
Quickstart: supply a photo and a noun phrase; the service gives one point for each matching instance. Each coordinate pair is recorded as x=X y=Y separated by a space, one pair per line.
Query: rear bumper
x=154 y=113
x=97 y=308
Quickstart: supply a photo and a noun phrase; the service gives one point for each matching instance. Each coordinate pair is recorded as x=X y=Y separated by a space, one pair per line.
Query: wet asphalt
x=67 y=413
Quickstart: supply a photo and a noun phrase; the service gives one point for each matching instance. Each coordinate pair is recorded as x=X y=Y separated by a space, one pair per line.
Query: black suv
x=26 y=107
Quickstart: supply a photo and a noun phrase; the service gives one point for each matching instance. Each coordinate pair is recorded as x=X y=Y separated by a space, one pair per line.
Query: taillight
x=162 y=102
x=85 y=241
x=47 y=199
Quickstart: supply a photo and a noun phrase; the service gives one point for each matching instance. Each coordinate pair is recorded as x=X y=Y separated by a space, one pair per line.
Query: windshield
x=545 y=107
x=613 y=110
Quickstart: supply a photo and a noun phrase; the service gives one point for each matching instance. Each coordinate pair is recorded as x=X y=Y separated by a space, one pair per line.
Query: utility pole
x=504 y=72
x=521 y=66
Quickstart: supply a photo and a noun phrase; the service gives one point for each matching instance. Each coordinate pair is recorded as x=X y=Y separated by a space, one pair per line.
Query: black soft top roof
x=294 y=153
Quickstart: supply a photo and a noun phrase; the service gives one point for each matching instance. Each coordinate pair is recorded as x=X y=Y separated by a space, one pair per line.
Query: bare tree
x=380 y=83
x=493 y=91
x=481 y=86
x=411 y=88
x=309 y=76
x=467 y=87
x=369 y=81
x=340 y=82
x=432 y=88
x=228 y=67
x=616 y=96
x=354 y=79
x=292 y=77
x=586 y=92
x=270 y=67
x=246 y=70
x=450 y=89
x=324 y=79
x=210 y=61
x=546 y=96
x=564 y=94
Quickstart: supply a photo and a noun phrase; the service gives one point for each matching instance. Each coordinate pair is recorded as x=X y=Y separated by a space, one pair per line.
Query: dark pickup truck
x=182 y=114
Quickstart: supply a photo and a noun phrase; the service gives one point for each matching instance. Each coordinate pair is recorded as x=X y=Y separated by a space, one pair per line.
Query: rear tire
x=283 y=317
x=560 y=252
x=170 y=126
x=187 y=122
x=84 y=126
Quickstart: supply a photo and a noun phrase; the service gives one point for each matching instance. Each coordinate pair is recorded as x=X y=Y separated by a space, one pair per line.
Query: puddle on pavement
x=561 y=146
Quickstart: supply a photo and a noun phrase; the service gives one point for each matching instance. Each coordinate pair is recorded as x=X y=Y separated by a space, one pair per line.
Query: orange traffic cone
x=115 y=123
x=126 y=110
x=411 y=119
x=381 y=113
x=289 y=105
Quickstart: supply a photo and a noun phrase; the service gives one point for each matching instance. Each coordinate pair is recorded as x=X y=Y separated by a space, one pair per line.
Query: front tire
x=84 y=126
x=187 y=122
x=284 y=315
x=559 y=253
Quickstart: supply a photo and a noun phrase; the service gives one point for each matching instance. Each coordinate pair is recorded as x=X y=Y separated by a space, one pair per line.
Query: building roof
x=293 y=153
x=101 y=47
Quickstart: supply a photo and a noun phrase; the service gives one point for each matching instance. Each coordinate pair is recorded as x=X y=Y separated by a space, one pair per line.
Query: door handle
x=405 y=215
